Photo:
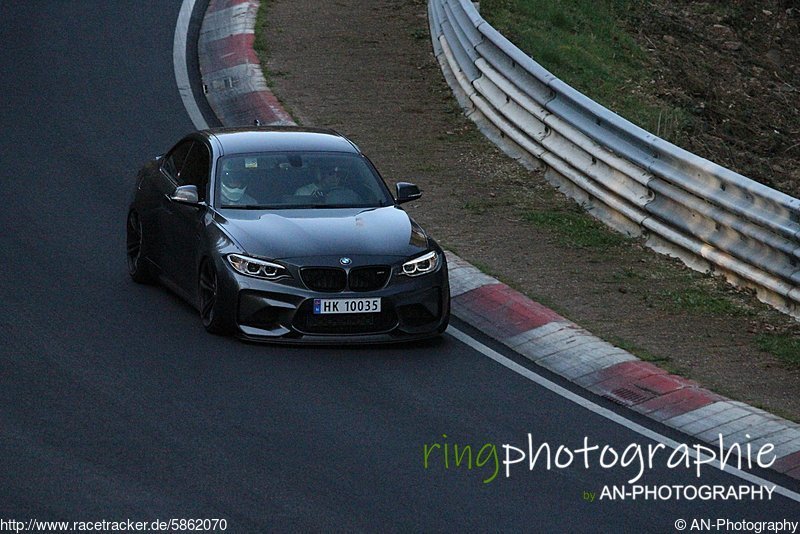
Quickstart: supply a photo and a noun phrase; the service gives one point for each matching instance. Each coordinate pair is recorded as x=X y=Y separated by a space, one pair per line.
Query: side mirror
x=186 y=194
x=406 y=192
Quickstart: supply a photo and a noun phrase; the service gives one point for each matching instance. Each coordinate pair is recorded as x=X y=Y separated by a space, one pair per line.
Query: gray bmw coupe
x=286 y=234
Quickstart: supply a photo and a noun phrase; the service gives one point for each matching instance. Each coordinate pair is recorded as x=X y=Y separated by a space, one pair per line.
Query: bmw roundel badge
x=345 y=261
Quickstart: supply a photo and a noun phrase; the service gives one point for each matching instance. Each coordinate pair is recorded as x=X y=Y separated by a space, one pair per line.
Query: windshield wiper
x=317 y=206
x=290 y=206
x=250 y=207
x=350 y=206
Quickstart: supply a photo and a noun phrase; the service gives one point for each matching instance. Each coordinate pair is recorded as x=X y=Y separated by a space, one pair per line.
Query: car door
x=184 y=224
x=164 y=186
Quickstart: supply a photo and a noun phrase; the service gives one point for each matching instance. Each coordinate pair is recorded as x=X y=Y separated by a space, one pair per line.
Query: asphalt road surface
x=115 y=404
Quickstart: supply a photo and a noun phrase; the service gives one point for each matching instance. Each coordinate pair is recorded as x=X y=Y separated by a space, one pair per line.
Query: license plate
x=327 y=306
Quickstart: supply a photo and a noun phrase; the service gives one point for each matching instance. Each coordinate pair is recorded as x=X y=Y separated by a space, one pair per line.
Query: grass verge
x=260 y=41
x=584 y=43
x=576 y=228
x=697 y=300
x=784 y=346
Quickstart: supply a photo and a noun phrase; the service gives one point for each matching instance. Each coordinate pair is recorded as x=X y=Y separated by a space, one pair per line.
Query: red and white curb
x=238 y=94
x=549 y=340
x=231 y=72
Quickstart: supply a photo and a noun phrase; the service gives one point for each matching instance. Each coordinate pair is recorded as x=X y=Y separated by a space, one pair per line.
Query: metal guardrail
x=712 y=218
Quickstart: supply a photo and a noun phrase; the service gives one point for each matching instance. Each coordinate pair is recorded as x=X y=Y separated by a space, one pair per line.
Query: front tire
x=211 y=314
x=445 y=323
x=138 y=267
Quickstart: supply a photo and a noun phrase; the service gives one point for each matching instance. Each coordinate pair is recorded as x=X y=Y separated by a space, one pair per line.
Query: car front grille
x=324 y=279
x=369 y=278
x=344 y=323
x=332 y=279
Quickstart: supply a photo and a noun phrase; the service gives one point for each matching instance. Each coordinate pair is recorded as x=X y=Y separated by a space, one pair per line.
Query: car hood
x=283 y=234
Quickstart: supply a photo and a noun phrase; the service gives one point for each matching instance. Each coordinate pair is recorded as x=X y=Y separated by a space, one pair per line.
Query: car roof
x=280 y=139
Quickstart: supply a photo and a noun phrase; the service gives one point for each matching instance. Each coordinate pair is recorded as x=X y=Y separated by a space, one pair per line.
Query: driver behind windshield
x=234 y=180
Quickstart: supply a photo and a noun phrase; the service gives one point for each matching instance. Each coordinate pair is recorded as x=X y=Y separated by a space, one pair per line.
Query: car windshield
x=287 y=180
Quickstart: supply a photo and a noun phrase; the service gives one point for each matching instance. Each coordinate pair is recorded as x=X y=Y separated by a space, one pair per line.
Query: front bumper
x=411 y=309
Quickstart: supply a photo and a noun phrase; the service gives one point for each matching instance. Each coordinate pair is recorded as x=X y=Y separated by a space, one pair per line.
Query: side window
x=173 y=161
x=196 y=169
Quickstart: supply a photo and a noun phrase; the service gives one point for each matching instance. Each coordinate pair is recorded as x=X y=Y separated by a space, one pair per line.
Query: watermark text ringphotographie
x=493 y=461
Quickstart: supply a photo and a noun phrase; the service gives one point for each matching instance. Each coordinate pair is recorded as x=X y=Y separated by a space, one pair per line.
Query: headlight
x=424 y=264
x=256 y=268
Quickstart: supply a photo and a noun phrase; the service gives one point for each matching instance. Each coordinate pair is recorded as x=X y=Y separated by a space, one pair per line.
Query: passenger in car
x=331 y=185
